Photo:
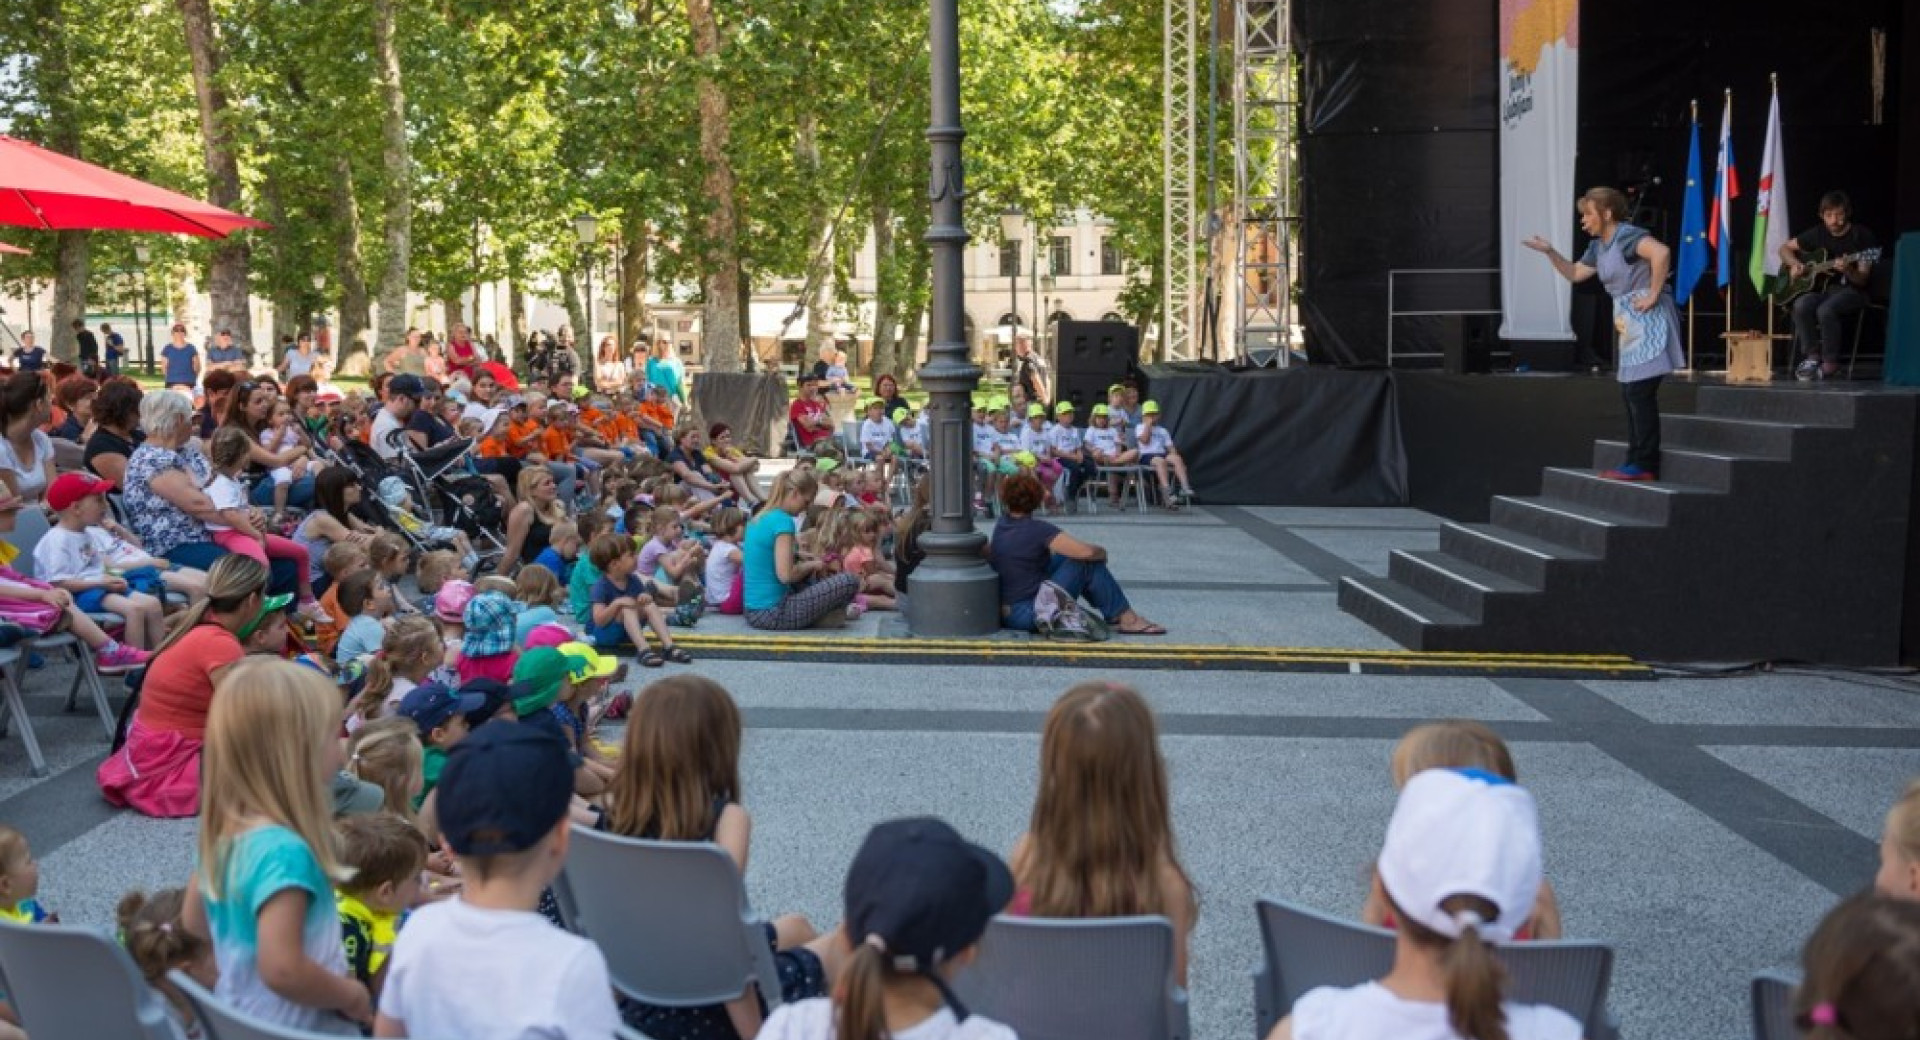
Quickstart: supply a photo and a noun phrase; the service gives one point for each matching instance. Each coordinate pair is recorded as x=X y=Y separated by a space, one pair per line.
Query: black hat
x=920 y=893
x=505 y=787
x=407 y=385
x=494 y=695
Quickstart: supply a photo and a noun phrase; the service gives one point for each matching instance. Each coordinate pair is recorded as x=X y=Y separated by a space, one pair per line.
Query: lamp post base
x=954 y=601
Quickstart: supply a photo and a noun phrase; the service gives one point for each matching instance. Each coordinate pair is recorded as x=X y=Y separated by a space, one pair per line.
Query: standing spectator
x=463 y=356
x=407 y=358
x=666 y=369
x=116 y=348
x=29 y=356
x=182 y=361
x=227 y=354
x=609 y=370
x=1030 y=372
x=539 y=355
x=298 y=360
x=88 y=344
x=563 y=362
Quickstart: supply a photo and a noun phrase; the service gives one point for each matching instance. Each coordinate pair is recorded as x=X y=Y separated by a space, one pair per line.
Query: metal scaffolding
x=1181 y=246
x=1265 y=120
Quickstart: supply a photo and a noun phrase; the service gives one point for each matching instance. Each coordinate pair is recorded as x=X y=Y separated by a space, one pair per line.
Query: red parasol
x=43 y=189
x=15 y=250
x=503 y=375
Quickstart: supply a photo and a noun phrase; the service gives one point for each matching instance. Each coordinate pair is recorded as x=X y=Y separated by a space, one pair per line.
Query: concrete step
x=1520 y=556
x=1651 y=501
x=1455 y=583
x=1767 y=440
x=1814 y=405
x=1403 y=615
x=1709 y=470
x=1589 y=529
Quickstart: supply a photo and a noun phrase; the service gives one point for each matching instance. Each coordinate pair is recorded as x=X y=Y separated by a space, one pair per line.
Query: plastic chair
x=31 y=526
x=70 y=981
x=1305 y=949
x=13 y=710
x=671 y=917
x=1135 y=473
x=1081 y=979
x=1773 y=1006
x=222 y=1021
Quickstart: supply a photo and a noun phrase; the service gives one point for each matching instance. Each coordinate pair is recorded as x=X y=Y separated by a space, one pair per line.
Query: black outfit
x=425 y=422
x=69 y=430
x=89 y=347
x=909 y=554
x=1643 y=423
x=1028 y=372
x=1819 y=317
x=539 y=535
x=107 y=442
x=896 y=402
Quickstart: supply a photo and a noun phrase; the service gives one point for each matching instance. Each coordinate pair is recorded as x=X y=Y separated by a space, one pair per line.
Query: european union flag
x=1693 y=228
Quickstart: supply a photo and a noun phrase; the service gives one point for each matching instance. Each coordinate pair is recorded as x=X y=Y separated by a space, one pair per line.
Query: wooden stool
x=1750 y=356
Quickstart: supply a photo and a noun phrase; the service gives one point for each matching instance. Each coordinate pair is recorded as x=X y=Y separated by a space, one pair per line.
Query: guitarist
x=1818 y=315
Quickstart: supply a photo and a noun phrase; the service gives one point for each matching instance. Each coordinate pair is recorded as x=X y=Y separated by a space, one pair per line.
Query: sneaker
x=312 y=611
x=1829 y=369
x=1808 y=371
x=120 y=660
x=854 y=610
x=1629 y=472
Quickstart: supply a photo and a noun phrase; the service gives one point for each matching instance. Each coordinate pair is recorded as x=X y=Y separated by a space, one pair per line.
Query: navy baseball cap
x=407 y=385
x=431 y=704
x=493 y=695
x=920 y=893
x=504 y=788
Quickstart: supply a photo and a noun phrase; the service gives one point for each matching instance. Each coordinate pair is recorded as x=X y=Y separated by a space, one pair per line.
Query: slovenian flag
x=1770 y=234
x=1693 y=227
x=1726 y=188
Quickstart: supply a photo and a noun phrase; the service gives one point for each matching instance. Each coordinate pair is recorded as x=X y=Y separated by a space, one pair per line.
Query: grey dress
x=1649 y=342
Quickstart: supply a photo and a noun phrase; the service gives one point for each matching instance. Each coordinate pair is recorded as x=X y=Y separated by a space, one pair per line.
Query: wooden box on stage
x=1749 y=357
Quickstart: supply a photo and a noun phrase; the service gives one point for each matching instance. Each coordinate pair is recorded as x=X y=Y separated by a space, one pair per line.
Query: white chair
x=221 y=1021
x=1305 y=949
x=671 y=917
x=1773 y=1006
x=28 y=530
x=1082 y=979
x=67 y=981
x=13 y=709
x=1135 y=473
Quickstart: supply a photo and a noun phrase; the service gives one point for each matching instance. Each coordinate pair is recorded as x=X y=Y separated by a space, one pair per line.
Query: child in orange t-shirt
x=342 y=560
x=656 y=422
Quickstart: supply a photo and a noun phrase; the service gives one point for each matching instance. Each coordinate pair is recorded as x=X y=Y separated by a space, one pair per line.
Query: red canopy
x=43 y=189
x=15 y=250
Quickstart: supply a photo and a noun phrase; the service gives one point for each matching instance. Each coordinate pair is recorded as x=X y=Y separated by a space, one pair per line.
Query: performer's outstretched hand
x=1538 y=244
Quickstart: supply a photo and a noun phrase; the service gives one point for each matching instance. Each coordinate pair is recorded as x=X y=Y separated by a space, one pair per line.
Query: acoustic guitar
x=1817 y=271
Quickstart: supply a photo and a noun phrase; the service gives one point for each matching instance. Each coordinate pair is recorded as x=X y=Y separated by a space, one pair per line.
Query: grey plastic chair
x=13 y=710
x=671 y=917
x=1773 y=1006
x=67 y=981
x=1082 y=979
x=31 y=526
x=1305 y=949
x=222 y=1021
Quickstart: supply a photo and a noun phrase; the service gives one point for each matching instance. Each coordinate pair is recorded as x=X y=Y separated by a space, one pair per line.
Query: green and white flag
x=1770 y=209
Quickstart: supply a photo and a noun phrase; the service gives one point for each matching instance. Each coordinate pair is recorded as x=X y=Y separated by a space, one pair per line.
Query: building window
x=1110 y=258
x=1010 y=258
x=1060 y=256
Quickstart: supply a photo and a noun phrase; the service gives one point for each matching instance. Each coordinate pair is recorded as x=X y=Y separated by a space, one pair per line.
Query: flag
x=1693 y=227
x=1726 y=188
x=1769 y=233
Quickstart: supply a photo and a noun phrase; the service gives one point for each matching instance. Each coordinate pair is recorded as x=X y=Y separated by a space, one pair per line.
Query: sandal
x=679 y=656
x=1146 y=628
x=651 y=659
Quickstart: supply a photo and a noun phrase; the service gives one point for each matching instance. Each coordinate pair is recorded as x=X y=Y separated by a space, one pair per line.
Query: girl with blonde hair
x=263 y=889
x=387 y=754
x=1100 y=843
x=409 y=652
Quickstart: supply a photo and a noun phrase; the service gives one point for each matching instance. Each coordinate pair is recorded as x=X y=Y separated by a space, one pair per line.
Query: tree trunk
x=353 y=354
x=886 y=285
x=516 y=315
x=743 y=300
x=915 y=311
x=633 y=281
x=450 y=314
x=806 y=153
x=720 y=282
x=227 y=270
x=72 y=259
x=396 y=162
x=570 y=299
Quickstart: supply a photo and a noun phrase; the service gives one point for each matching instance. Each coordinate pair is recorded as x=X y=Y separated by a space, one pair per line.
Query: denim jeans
x=299 y=493
x=283 y=577
x=1092 y=582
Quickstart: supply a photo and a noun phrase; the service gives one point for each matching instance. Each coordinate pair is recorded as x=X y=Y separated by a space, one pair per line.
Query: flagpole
x=1726 y=218
x=1774 y=79
x=1695 y=103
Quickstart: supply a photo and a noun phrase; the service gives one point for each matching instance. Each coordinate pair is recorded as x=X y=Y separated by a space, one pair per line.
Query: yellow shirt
x=367 y=934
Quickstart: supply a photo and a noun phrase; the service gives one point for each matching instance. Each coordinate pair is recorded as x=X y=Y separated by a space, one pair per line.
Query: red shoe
x=1629 y=472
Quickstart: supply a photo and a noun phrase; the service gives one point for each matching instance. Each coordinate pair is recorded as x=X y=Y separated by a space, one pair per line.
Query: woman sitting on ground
x=783 y=592
x=736 y=465
x=1027 y=551
x=531 y=520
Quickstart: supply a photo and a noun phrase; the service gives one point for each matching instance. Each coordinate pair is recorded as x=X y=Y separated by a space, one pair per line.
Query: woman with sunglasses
x=280 y=479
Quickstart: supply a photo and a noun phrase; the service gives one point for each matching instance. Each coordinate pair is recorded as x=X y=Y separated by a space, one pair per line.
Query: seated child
x=563 y=546
x=483 y=964
x=1105 y=446
x=656 y=422
x=877 y=434
x=1066 y=442
x=342 y=561
x=388 y=554
x=450 y=610
x=913 y=436
x=31 y=607
x=434 y=570
x=1460 y=870
x=673 y=565
x=368 y=601
x=725 y=579
x=542 y=599
x=1899 y=874
x=282 y=438
x=238 y=529
x=1157 y=451
x=386 y=855
x=542 y=678
x=623 y=608
x=487 y=649
x=590 y=526
x=1036 y=439
x=158 y=943
x=20 y=881
x=76 y=554
x=1858 y=970
x=860 y=555
x=387 y=754
x=409 y=653
x=440 y=717
x=398 y=499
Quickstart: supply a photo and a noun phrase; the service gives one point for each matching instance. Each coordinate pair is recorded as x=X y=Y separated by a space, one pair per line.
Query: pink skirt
x=38 y=618
x=157 y=773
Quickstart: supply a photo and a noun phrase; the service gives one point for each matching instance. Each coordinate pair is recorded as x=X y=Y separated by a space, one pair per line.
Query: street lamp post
x=320 y=292
x=1049 y=329
x=587 y=229
x=142 y=254
x=1009 y=227
x=955 y=593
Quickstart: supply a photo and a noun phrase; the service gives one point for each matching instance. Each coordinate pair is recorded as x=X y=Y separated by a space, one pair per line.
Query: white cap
x=487 y=416
x=1463 y=832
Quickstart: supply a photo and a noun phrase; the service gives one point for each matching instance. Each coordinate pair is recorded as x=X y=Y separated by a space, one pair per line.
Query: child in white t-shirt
x=1105 y=447
x=238 y=529
x=484 y=965
x=918 y=898
x=1460 y=869
x=877 y=434
x=725 y=581
x=1036 y=439
x=80 y=556
x=913 y=436
x=1158 y=452
x=1066 y=442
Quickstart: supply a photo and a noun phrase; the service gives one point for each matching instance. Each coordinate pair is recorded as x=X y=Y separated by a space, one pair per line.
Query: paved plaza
x=1699 y=825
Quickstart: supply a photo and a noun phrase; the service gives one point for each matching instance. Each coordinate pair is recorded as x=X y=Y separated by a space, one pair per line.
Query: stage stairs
x=1778 y=530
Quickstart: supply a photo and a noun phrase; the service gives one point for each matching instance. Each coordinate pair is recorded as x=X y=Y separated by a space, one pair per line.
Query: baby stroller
x=443 y=479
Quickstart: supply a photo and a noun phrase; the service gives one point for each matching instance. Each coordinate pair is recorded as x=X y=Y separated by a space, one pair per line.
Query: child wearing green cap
x=1106 y=447
x=1157 y=451
x=542 y=678
x=913 y=436
x=877 y=436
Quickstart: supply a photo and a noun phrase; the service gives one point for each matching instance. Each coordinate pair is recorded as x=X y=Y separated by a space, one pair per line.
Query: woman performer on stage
x=1633 y=267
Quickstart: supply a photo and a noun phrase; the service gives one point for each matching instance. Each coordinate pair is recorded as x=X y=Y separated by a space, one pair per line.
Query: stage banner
x=1539 y=118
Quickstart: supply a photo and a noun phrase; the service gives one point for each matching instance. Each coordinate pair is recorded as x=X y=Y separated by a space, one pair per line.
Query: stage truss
x=1180 y=249
x=1265 y=217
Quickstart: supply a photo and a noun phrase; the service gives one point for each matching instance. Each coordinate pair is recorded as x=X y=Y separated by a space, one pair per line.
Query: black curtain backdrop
x=1399 y=144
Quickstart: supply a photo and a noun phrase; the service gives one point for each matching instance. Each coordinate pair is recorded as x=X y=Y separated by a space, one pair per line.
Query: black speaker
x=1467 y=343
x=1089 y=357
